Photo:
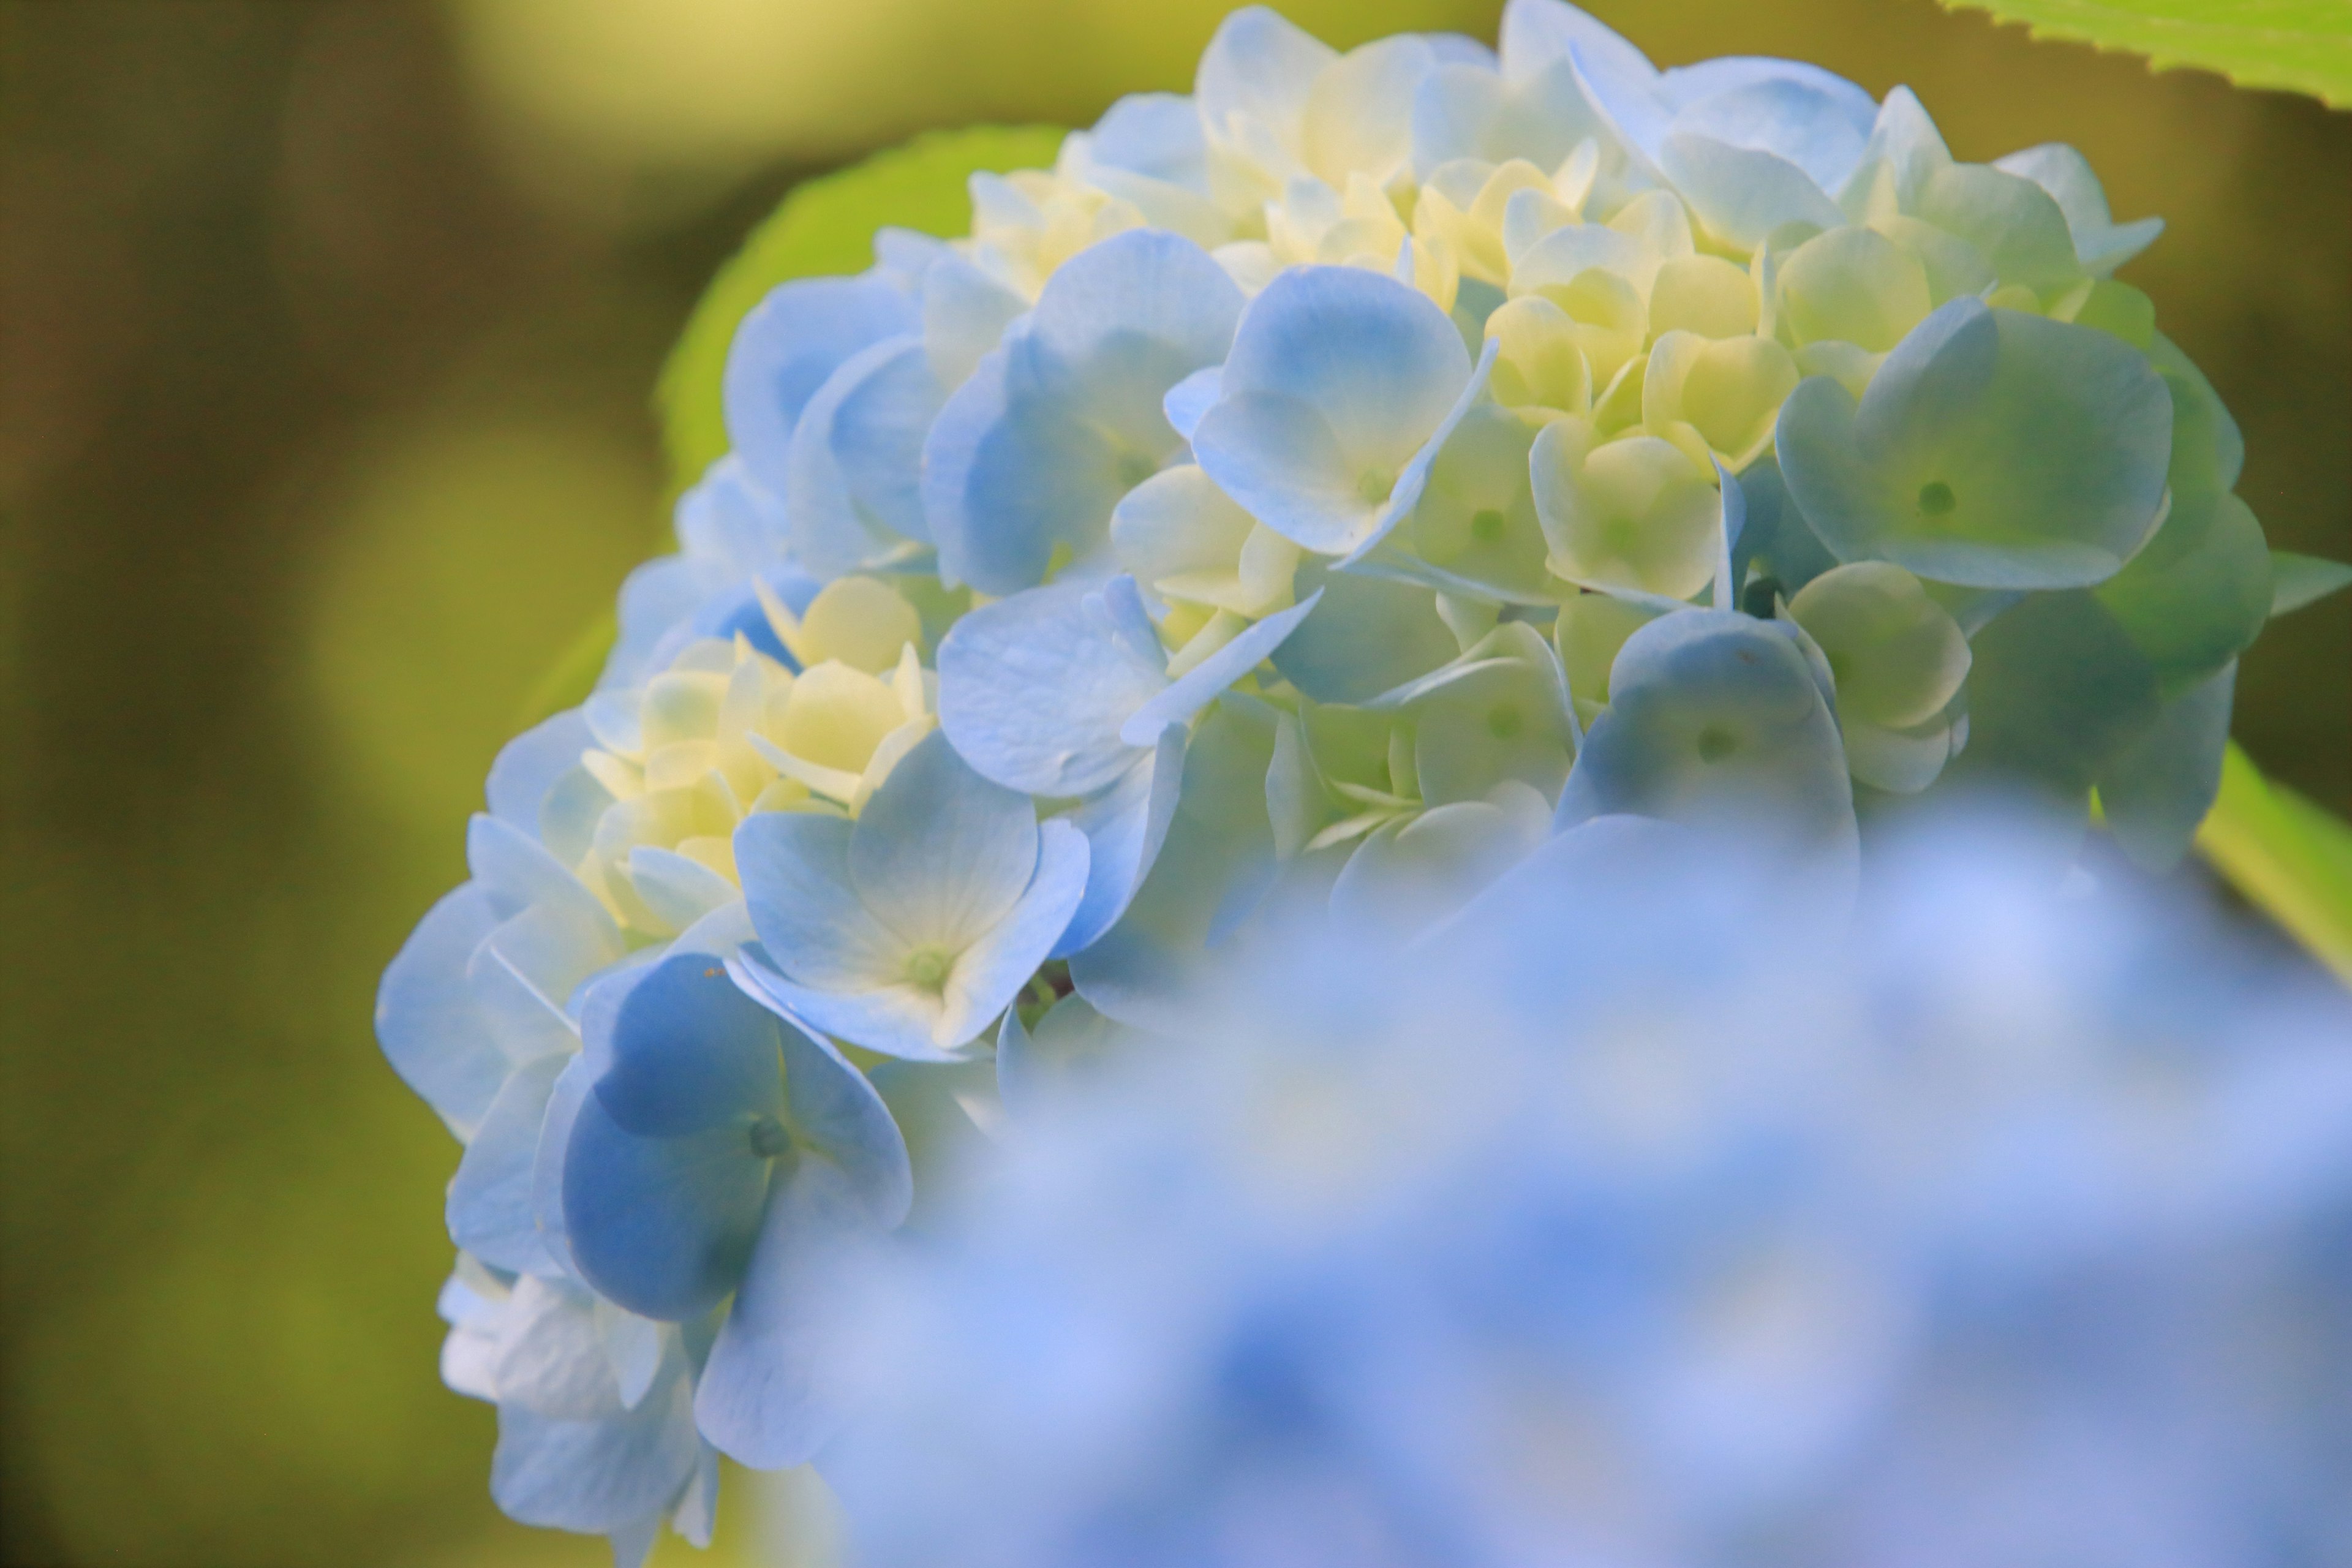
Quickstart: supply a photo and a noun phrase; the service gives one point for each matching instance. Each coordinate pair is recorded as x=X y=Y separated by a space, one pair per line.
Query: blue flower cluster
x=1317 y=491
x=1652 y=1216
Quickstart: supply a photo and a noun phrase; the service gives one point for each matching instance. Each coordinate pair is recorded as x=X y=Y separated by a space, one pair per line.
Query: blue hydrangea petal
x=1369 y=634
x=1716 y=716
x=607 y=1475
x=2156 y=792
x=991 y=973
x=528 y=766
x=1408 y=876
x=763 y=1398
x=1817 y=123
x=1740 y=194
x=788 y=345
x=2101 y=244
x=2049 y=444
x=1034 y=690
x=965 y=314
x=662 y=1225
x=730 y=521
x=832 y=1110
x=1191 y=397
x=688 y=1052
x=1537 y=37
x=1125 y=826
x=893 y=1019
x=1217 y=862
x=489 y=1208
x=426 y=1019
x=1338 y=379
x=1053 y=428
x=941 y=854
x=852 y=485
x=679 y=890
x=805 y=906
x=1260 y=66
x=574 y=1086
x=1205 y=681
x=1030 y=1066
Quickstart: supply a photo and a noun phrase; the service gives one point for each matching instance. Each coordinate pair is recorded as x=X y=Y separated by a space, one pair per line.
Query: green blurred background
x=328 y=330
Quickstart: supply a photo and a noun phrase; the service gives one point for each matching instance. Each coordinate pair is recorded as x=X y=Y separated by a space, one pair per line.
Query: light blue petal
x=796 y=883
x=489 y=1208
x=1367 y=634
x=1338 y=378
x=1715 y=715
x=662 y=1225
x=689 y=1052
x=525 y=972
x=897 y=1019
x=1125 y=826
x=852 y=485
x=1406 y=878
x=1218 y=860
x=1154 y=134
x=2049 y=443
x=1259 y=65
x=1537 y=37
x=764 y=1399
x=1191 y=397
x=1816 y=123
x=574 y=1086
x=677 y=888
x=426 y=1019
x=1069 y=1038
x=786 y=347
x=1052 y=429
x=730 y=521
x=1002 y=486
x=528 y=766
x=1740 y=194
x=833 y=1112
x=1126 y=320
x=1033 y=690
x=1622 y=88
x=965 y=314
x=940 y=854
x=517 y=872
x=2159 y=788
x=991 y=973
x=607 y=1474
x=1207 y=681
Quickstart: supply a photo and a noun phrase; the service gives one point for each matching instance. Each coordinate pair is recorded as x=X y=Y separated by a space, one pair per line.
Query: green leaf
x=2304 y=46
x=826 y=226
x=2290 y=858
x=2299 y=580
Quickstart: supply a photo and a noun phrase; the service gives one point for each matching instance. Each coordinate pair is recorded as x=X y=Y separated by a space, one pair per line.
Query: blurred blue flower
x=1655 y=1211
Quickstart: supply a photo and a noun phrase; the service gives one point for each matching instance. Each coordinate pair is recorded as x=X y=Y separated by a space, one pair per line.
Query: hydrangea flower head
x=1320 y=492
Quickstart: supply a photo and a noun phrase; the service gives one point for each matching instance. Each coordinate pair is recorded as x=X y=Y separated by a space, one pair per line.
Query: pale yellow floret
x=727 y=731
x=1717 y=395
x=1027 y=224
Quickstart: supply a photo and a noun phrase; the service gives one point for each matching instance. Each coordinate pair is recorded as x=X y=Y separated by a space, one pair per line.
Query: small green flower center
x=1487 y=526
x=928 y=967
x=1936 y=499
x=1374 y=486
x=1134 y=468
x=1716 y=742
x=1502 y=722
x=768 y=1138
